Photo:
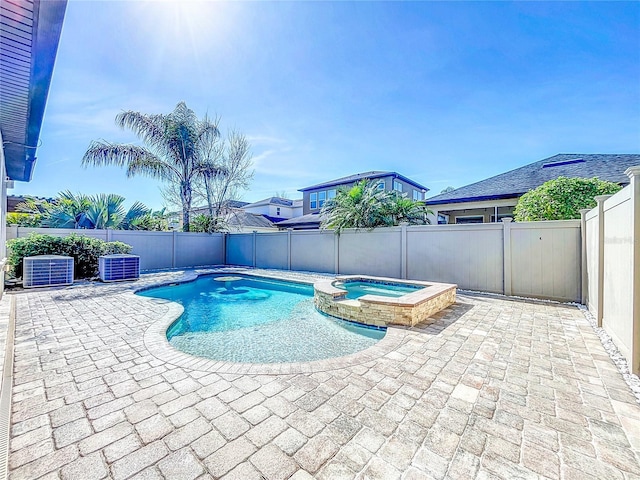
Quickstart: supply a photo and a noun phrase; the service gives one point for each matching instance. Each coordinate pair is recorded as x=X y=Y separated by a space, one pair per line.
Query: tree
x=447 y=190
x=561 y=199
x=174 y=151
x=232 y=157
x=365 y=206
x=406 y=210
x=71 y=210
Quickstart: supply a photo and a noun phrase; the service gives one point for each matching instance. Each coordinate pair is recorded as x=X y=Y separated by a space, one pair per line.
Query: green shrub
x=84 y=250
x=24 y=219
x=561 y=199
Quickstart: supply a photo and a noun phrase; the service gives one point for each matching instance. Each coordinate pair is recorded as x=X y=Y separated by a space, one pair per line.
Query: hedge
x=84 y=250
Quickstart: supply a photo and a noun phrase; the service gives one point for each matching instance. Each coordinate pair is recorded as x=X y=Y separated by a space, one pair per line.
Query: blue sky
x=445 y=93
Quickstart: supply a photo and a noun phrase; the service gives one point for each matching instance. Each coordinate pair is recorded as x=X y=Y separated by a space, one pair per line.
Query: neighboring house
x=492 y=199
x=238 y=219
x=14 y=200
x=275 y=209
x=315 y=196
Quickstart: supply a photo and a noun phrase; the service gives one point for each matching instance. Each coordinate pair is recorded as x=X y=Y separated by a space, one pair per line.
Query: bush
x=24 y=219
x=561 y=199
x=84 y=250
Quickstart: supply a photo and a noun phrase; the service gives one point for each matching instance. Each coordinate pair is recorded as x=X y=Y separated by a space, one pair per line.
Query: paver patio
x=492 y=388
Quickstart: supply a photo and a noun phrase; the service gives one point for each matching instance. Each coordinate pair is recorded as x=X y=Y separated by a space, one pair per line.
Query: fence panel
x=272 y=250
x=592 y=246
x=155 y=248
x=21 y=232
x=470 y=256
x=378 y=252
x=240 y=249
x=617 y=294
x=197 y=249
x=313 y=251
x=546 y=259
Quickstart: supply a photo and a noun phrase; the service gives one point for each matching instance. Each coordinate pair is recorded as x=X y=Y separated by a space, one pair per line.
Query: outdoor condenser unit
x=119 y=267
x=47 y=271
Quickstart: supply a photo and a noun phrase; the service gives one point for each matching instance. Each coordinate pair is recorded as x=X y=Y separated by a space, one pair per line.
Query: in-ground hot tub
x=382 y=301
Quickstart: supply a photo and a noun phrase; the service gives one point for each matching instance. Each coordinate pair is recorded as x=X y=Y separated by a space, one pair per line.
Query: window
x=470 y=219
x=417 y=195
x=397 y=186
x=380 y=185
x=443 y=219
x=278 y=211
x=322 y=197
x=313 y=201
x=331 y=194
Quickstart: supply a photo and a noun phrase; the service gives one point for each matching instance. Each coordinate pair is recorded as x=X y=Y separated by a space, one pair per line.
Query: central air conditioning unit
x=119 y=267
x=47 y=271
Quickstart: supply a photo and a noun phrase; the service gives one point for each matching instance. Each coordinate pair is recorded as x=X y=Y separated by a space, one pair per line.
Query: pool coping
x=155 y=341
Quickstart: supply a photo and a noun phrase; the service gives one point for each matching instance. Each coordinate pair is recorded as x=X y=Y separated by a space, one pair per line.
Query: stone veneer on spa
x=380 y=311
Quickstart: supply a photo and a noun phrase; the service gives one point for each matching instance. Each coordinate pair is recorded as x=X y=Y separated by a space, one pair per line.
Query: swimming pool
x=257 y=320
x=358 y=289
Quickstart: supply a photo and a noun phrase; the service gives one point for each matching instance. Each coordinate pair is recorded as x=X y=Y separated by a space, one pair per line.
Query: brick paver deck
x=492 y=388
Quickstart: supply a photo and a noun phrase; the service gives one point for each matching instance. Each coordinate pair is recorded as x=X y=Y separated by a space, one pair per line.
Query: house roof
x=29 y=33
x=610 y=167
x=240 y=218
x=308 y=220
x=361 y=176
x=285 y=202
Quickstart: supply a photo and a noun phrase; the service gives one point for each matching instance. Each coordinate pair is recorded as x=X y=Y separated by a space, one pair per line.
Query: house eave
x=33 y=37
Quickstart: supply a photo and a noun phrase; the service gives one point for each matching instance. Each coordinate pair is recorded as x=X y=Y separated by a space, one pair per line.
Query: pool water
x=359 y=289
x=259 y=321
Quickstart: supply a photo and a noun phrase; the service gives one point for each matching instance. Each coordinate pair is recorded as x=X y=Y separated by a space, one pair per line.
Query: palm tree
x=406 y=210
x=365 y=206
x=174 y=151
x=69 y=211
x=361 y=206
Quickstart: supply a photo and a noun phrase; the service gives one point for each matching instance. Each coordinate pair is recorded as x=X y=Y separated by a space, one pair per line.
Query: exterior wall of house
x=3 y=217
x=273 y=210
x=407 y=187
x=465 y=212
x=612 y=260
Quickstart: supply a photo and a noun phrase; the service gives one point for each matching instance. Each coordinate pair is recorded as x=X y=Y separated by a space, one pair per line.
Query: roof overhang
x=474 y=199
x=29 y=36
x=342 y=181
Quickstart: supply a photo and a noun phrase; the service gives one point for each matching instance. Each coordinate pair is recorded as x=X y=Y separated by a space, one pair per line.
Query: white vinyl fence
x=612 y=264
x=537 y=259
x=156 y=249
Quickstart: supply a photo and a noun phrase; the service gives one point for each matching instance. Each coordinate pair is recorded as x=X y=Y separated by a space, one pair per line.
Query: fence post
x=336 y=253
x=403 y=250
x=289 y=230
x=173 y=249
x=224 y=248
x=584 y=284
x=600 y=290
x=109 y=235
x=634 y=175
x=506 y=254
x=255 y=235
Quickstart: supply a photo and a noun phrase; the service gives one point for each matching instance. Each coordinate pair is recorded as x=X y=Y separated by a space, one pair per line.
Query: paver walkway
x=492 y=388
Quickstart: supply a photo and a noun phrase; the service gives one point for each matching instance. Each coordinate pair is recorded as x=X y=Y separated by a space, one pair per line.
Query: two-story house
x=315 y=196
x=276 y=209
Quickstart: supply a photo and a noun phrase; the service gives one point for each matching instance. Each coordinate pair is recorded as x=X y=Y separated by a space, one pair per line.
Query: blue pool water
x=358 y=289
x=259 y=321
